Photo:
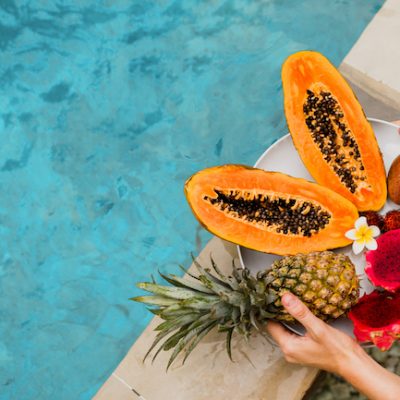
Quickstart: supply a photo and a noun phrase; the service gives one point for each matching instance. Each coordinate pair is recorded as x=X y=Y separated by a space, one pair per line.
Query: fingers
x=278 y=333
x=301 y=313
x=292 y=346
x=397 y=123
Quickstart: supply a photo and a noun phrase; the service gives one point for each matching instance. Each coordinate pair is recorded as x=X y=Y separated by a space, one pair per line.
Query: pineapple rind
x=193 y=305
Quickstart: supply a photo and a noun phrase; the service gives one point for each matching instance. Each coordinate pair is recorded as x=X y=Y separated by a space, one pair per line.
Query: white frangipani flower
x=363 y=236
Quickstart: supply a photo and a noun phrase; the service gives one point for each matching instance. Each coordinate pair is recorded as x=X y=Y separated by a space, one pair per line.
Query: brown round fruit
x=394 y=181
x=392 y=221
x=373 y=218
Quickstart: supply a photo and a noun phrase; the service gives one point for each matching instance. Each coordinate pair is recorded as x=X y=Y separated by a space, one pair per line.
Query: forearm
x=371 y=379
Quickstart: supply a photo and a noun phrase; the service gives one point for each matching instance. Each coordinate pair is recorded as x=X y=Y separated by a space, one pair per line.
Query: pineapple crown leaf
x=188 y=336
x=253 y=319
x=171 y=292
x=236 y=315
x=229 y=342
x=201 y=303
x=228 y=280
x=154 y=300
x=220 y=310
x=212 y=285
x=206 y=272
x=185 y=271
x=198 y=339
x=180 y=339
x=175 y=338
x=165 y=346
x=158 y=338
x=244 y=307
x=155 y=311
x=173 y=312
x=199 y=268
x=180 y=327
x=157 y=353
x=266 y=315
x=238 y=275
x=185 y=283
x=216 y=269
x=176 y=322
x=190 y=309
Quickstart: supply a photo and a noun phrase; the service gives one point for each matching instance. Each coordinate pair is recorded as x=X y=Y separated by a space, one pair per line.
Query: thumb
x=297 y=309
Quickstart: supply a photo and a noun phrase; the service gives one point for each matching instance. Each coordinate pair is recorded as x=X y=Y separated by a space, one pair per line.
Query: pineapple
x=194 y=305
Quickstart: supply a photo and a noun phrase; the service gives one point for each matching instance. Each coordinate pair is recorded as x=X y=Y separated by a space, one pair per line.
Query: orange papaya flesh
x=269 y=211
x=330 y=131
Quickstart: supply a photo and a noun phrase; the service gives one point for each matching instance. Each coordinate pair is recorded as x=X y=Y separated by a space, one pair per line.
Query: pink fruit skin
x=369 y=270
x=382 y=336
x=388 y=244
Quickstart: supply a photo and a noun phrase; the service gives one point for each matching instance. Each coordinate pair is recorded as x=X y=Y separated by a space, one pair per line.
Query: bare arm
x=329 y=349
x=370 y=378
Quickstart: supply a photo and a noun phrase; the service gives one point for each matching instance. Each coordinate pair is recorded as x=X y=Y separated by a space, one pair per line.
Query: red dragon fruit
x=383 y=264
x=376 y=318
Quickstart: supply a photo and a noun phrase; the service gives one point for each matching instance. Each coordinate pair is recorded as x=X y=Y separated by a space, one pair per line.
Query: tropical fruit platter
x=318 y=216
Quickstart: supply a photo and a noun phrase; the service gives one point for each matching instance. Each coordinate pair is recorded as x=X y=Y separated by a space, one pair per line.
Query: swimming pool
x=106 y=108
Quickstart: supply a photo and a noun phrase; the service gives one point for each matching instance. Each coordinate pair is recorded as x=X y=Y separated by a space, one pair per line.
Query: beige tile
x=374 y=105
x=115 y=390
x=384 y=94
x=259 y=370
x=374 y=61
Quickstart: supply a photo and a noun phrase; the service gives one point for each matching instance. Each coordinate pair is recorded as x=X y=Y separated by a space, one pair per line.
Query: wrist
x=368 y=377
x=354 y=359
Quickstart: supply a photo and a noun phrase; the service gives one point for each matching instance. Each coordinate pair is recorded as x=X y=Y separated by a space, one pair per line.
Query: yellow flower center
x=364 y=234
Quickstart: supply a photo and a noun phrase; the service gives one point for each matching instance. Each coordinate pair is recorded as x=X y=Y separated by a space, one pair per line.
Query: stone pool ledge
x=259 y=371
x=373 y=63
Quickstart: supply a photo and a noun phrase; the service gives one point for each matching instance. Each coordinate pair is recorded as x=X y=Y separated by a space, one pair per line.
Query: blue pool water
x=106 y=107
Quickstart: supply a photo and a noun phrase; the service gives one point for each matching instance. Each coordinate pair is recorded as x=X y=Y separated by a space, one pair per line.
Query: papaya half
x=269 y=211
x=330 y=131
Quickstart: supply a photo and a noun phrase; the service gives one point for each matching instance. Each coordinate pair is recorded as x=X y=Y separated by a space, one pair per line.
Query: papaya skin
x=202 y=184
x=394 y=181
x=307 y=69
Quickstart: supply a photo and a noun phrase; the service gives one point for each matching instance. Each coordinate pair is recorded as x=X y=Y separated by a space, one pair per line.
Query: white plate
x=283 y=157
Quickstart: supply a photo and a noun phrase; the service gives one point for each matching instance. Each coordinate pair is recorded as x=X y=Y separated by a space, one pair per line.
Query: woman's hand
x=322 y=346
x=330 y=349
